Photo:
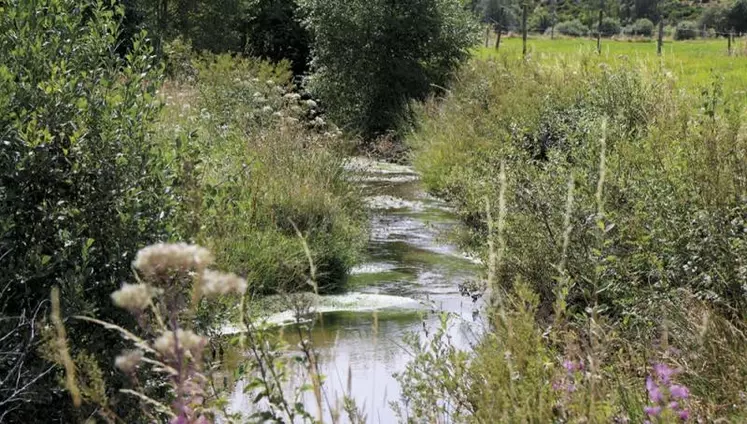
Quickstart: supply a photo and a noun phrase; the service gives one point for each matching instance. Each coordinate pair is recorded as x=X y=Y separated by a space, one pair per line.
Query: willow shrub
x=81 y=185
x=261 y=168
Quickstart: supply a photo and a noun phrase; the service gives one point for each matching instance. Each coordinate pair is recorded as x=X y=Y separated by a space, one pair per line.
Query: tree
x=371 y=58
x=273 y=30
x=737 y=16
x=80 y=185
x=499 y=14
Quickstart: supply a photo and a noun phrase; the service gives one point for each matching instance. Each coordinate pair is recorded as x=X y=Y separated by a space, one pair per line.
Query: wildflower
x=129 y=360
x=654 y=393
x=679 y=392
x=188 y=341
x=267 y=109
x=160 y=259
x=133 y=297
x=311 y=104
x=219 y=283
x=653 y=411
x=664 y=372
x=684 y=414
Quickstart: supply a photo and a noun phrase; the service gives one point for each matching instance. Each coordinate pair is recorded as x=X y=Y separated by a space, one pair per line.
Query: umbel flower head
x=164 y=260
x=133 y=297
x=128 y=360
x=216 y=283
x=188 y=341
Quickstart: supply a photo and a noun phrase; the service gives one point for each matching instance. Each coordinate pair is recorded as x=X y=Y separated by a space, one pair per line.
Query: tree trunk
x=498 y=32
x=487 y=35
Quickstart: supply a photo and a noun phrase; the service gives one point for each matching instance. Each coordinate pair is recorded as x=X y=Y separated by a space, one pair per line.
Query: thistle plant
x=667 y=399
x=172 y=281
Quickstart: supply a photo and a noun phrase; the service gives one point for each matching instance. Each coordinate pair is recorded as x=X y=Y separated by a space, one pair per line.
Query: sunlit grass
x=694 y=63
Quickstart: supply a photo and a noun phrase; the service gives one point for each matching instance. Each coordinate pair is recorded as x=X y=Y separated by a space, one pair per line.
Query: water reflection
x=408 y=258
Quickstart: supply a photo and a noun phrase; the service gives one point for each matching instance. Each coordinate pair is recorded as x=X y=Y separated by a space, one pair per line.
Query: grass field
x=694 y=63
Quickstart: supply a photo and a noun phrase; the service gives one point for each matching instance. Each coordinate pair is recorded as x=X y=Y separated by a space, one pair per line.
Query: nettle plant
x=172 y=281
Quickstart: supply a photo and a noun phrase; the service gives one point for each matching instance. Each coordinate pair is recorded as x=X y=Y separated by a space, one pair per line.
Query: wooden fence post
x=660 y=41
x=524 y=29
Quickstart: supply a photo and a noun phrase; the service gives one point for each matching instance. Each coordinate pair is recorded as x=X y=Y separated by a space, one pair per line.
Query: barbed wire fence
x=734 y=42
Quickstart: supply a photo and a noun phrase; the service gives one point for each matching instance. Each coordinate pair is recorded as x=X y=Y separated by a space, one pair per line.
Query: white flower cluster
x=128 y=360
x=216 y=283
x=133 y=297
x=188 y=342
x=162 y=259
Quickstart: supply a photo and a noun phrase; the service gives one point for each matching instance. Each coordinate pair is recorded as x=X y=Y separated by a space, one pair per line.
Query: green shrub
x=260 y=161
x=372 y=58
x=686 y=30
x=609 y=27
x=572 y=28
x=81 y=185
x=641 y=27
x=546 y=124
x=714 y=17
x=737 y=16
x=275 y=32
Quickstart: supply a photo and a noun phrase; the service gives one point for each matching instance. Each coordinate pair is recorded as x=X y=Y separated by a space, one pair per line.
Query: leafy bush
x=686 y=30
x=572 y=28
x=372 y=58
x=258 y=163
x=615 y=216
x=715 y=17
x=547 y=131
x=641 y=27
x=275 y=32
x=609 y=27
x=81 y=185
x=737 y=16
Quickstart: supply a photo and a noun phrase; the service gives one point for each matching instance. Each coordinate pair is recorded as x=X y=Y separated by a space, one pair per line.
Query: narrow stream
x=410 y=274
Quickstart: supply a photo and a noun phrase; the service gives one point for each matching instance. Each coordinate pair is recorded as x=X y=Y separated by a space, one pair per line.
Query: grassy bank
x=259 y=168
x=608 y=197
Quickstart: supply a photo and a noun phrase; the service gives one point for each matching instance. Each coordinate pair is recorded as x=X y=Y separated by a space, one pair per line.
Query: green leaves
x=372 y=58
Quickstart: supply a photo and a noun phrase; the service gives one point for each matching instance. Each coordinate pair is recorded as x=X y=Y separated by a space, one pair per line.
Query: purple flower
x=663 y=372
x=652 y=410
x=653 y=390
x=674 y=406
x=679 y=392
x=570 y=366
x=684 y=414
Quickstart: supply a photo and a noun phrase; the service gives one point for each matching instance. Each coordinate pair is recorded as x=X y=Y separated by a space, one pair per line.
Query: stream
x=411 y=272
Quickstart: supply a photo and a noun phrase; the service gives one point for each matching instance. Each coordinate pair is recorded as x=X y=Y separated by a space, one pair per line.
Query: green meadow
x=693 y=62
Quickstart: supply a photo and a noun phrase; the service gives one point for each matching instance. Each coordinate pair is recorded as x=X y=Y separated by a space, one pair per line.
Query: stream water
x=411 y=273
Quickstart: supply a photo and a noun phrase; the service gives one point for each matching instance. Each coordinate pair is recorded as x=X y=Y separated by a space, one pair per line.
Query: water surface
x=411 y=274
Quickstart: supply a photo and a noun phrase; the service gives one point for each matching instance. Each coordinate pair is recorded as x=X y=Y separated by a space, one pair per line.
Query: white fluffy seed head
x=189 y=342
x=216 y=283
x=164 y=260
x=128 y=360
x=133 y=297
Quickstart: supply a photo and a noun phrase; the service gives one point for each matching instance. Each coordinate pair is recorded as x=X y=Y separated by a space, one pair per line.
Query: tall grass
x=618 y=254
x=257 y=161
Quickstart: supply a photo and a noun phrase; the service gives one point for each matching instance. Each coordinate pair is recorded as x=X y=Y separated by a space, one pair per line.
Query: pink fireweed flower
x=653 y=411
x=664 y=372
x=684 y=414
x=654 y=393
x=679 y=392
